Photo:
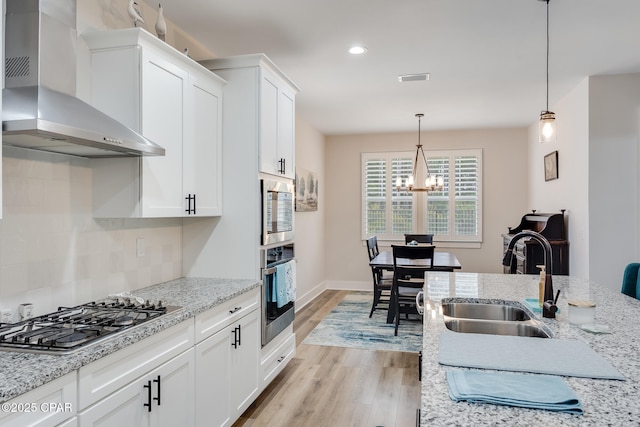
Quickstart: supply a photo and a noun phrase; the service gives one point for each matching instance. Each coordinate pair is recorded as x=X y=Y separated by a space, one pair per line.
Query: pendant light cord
x=547 y=55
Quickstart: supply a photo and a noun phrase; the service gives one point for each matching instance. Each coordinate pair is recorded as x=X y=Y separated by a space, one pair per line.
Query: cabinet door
x=244 y=362
x=163 y=97
x=212 y=380
x=202 y=173
x=277 y=126
x=286 y=131
x=163 y=397
x=269 y=124
x=173 y=386
x=125 y=407
x=61 y=393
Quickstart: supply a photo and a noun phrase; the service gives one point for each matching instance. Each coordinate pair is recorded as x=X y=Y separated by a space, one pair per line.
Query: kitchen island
x=22 y=372
x=605 y=402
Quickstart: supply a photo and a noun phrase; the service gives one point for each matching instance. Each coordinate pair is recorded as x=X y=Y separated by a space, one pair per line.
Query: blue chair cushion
x=630 y=280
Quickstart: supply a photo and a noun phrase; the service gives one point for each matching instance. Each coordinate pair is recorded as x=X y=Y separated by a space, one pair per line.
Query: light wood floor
x=338 y=387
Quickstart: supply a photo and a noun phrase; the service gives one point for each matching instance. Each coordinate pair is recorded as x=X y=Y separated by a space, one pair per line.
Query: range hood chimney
x=40 y=109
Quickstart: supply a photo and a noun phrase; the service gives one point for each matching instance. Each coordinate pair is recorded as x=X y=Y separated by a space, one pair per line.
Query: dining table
x=442 y=261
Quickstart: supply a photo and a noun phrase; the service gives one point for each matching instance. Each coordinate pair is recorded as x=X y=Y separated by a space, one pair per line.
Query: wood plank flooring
x=337 y=387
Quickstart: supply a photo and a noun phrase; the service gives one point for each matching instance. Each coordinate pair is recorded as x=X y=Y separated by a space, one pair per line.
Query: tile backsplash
x=53 y=252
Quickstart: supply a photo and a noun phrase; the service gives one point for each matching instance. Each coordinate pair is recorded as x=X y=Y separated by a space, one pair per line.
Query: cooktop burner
x=72 y=328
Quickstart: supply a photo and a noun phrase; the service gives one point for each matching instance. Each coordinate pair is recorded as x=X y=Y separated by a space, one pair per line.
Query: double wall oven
x=277 y=257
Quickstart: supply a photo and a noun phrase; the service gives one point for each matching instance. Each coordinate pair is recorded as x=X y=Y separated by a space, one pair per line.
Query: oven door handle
x=268 y=271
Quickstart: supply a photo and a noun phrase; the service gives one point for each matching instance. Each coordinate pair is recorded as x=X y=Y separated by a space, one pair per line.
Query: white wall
x=504 y=195
x=614 y=126
x=310 y=226
x=598 y=132
x=570 y=190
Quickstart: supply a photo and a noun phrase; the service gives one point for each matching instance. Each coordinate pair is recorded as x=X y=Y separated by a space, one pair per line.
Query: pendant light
x=431 y=182
x=547 y=126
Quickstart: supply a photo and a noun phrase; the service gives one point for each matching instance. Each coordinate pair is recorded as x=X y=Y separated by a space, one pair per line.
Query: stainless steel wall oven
x=278 y=200
x=278 y=290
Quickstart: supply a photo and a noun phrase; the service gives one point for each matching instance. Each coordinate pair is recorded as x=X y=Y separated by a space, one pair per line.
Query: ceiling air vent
x=413 y=77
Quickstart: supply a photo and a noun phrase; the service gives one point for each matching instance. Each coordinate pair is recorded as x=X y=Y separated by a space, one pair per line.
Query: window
x=453 y=214
x=387 y=212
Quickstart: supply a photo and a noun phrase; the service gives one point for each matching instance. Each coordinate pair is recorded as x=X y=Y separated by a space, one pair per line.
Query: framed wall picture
x=306 y=190
x=551 y=166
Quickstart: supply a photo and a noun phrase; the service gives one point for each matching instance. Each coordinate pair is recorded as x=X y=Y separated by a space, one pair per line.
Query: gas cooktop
x=71 y=328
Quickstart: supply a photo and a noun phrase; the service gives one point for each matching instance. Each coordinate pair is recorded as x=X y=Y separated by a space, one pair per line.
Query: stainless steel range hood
x=39 y=107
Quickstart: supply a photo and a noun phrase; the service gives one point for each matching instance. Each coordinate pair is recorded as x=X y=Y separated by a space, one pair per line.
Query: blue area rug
x=349 y=325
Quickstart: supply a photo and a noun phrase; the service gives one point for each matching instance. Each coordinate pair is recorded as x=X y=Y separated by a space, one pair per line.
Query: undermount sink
x=494 y=327
x=484 y=311
x=495 y=318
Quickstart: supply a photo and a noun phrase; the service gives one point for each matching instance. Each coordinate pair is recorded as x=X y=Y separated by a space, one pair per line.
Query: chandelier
x=431 y=182
x=547 y=127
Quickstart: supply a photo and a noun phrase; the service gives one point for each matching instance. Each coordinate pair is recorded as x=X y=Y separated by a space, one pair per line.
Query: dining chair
x=381 y=283
x=409 y=266
x=420 y=238
x=630 y=284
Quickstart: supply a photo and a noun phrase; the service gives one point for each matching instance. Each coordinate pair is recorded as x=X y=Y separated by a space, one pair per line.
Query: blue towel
x=280 y=285
x=524 y=391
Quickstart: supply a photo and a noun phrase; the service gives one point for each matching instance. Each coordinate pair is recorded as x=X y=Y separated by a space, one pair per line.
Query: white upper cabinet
x=270 y=93
x=173 y=101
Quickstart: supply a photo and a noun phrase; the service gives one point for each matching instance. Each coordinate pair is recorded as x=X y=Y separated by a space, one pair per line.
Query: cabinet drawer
x=104 y=376
x=274 y=362
x=47 y=405
x=213 y=320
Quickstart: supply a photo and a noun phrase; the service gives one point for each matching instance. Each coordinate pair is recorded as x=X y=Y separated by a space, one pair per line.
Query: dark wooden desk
x=442 y=261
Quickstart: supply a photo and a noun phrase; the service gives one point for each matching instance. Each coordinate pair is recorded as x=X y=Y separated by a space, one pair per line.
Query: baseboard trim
x=309 y=296
x=349 y=285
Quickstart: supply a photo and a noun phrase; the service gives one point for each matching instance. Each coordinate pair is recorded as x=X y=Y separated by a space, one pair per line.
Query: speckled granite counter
x=605 y=402
x=22 y=372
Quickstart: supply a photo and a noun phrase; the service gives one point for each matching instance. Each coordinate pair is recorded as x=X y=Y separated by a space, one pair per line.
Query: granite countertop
x=22 y=372
x=605 y=402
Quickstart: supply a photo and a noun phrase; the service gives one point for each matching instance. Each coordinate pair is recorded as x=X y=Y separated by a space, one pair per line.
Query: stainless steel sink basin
x=469 y=310
x=491 y=317
x=528 y=328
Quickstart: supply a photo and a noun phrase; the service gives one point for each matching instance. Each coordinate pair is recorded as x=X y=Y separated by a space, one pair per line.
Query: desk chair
x=381 y=284
x=420 y=238
x=630 y=284
x=409 y=266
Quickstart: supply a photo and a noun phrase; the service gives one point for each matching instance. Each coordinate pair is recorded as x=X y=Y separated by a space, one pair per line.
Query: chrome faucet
x=549 y=306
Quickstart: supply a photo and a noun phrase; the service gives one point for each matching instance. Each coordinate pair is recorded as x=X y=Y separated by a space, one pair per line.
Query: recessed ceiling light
x=414 y=77
x=357 y=50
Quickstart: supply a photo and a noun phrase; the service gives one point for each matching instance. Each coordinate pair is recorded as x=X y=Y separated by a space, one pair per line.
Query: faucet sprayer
x=549 y=306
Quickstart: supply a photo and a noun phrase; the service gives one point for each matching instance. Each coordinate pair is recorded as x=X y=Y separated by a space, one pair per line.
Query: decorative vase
x=161 y=25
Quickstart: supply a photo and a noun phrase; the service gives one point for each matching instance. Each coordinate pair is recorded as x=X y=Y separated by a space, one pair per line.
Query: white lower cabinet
x=48 y=405
x=149 y=383
x=227 y=368
x=276 y=355
x=163 y=397
x=201 y=372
